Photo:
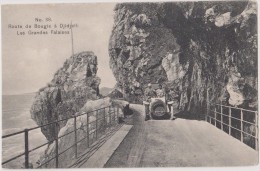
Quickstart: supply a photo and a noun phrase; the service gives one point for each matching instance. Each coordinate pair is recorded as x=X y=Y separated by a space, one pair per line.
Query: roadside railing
x=237 y=122
x=105 y=118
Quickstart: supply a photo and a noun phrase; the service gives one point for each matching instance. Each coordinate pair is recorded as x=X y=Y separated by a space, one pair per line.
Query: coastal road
x=178 y=143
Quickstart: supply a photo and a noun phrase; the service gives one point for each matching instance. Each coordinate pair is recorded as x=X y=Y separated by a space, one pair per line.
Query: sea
x=16 y=117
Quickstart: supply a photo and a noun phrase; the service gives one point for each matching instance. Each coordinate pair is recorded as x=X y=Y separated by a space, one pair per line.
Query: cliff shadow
x=189 y=116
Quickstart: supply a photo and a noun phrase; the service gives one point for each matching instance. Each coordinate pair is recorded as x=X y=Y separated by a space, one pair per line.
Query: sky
x=30 y=61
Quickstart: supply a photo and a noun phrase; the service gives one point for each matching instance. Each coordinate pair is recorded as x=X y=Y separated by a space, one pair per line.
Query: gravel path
x=178 y=143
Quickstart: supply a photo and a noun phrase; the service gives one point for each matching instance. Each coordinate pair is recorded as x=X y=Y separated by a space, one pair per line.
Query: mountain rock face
x=72 y=86
x=104 y=91
x=205 y=51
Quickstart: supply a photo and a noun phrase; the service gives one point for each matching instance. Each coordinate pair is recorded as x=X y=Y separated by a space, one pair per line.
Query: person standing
x=160 y=92
x=148 y=94
x=170 y=98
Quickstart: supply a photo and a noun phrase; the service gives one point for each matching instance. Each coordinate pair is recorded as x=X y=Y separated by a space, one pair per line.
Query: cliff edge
x=71 y=87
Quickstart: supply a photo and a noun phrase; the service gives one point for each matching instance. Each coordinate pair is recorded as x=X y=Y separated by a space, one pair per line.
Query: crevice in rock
x=211 y=37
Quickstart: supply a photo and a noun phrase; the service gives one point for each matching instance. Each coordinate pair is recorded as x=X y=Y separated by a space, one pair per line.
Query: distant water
x=15 y=117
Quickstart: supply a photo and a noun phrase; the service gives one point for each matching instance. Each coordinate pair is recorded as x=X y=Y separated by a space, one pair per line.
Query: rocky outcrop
x=203 y=50
x=71 y=87
x=174 y=70
x=115 y=94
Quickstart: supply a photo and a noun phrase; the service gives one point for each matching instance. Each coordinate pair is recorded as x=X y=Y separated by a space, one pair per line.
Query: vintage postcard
x=130 y=84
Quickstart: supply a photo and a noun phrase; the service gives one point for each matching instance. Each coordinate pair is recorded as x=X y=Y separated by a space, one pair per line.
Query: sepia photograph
x=130 y=84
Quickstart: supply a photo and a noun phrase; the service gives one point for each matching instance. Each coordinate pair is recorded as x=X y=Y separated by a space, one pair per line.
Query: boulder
x=71 y=87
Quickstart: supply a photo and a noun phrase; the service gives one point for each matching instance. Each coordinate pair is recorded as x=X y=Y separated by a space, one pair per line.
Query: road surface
x=178 y=143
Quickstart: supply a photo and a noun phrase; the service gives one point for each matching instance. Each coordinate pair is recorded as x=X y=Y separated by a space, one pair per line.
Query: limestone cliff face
x=72 y=86
x=197 y=48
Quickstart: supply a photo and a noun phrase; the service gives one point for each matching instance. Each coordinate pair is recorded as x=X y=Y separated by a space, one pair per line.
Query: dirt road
x=178 y=143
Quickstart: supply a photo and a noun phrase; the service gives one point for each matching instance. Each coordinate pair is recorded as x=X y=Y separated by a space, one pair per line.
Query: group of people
x=159 y=93
x=170 y=96
x=150 y=92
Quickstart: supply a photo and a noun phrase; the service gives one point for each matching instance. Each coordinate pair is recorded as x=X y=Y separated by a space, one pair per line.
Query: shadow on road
x=189 y=116
x=166 y=116
x=130 y=150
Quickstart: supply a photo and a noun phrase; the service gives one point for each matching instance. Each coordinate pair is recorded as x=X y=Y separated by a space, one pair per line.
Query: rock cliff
x=203 y=50
x=71 y=87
